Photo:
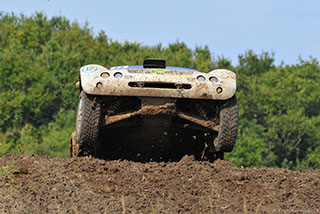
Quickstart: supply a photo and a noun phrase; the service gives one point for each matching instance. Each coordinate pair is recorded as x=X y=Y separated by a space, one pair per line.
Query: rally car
x=155 y=112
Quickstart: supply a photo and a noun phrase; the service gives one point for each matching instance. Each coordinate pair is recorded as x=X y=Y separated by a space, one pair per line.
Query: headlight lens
x=213 y=79
x=118 y=75
x=105 y=75
x=99 y=85
x=201 y=78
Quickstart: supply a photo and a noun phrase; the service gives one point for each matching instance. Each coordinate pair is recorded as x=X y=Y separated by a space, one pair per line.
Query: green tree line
x=40 y=59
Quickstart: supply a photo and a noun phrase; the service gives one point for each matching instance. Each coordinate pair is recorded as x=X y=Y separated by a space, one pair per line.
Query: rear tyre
x=228 y=126
x=88 y=125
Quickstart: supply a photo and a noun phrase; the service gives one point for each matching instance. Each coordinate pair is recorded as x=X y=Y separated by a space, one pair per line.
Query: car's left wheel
x=87 y=125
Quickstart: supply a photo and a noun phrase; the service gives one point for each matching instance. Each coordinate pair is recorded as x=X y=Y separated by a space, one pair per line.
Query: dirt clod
x=34 y=184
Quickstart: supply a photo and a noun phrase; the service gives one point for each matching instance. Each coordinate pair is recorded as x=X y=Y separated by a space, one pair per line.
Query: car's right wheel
x=88 y=125
x=228 y=126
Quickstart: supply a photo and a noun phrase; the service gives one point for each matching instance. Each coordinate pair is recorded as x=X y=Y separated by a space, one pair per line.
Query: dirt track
x=33 y=184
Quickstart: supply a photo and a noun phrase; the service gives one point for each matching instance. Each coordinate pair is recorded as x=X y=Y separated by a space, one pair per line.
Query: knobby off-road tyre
x=228 y=126
x=88 y=124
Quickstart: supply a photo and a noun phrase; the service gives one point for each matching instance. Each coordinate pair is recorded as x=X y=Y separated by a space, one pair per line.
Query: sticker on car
x=89 y=68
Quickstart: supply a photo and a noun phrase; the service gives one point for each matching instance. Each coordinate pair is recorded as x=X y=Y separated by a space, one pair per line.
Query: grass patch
x=7 y=172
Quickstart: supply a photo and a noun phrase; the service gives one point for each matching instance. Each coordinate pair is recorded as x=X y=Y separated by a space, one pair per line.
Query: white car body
x=172 y=82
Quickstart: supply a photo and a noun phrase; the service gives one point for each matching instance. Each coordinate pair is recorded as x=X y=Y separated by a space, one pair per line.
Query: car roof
x=141 y=67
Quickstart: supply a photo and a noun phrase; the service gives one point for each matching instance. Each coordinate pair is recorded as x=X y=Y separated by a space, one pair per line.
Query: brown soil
x=34 y=184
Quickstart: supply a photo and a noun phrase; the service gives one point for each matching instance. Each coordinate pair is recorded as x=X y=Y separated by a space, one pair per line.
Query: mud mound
x=34 y=184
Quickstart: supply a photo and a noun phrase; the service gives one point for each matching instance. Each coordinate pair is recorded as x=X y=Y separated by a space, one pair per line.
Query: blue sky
x=289 y=28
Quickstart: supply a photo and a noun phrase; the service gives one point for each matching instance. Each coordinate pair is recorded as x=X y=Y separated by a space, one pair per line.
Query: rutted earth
x=40 y=184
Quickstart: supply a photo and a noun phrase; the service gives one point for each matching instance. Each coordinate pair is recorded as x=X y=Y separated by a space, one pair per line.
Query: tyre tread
x=228 y=126
x=89 y=132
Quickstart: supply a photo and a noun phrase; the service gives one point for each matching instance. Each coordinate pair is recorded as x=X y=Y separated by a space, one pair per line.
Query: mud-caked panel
x=216 y=85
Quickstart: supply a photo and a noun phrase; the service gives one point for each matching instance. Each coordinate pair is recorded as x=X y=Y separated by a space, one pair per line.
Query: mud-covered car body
x=154 y=111
x=171 y=82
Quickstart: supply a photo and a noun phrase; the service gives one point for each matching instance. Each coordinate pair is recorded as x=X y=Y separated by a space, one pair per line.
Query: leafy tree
x=203 y=61
x=39 y=65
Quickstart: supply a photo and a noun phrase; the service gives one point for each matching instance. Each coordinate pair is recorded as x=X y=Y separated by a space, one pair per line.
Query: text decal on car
x=89 y=68
x=159 y=72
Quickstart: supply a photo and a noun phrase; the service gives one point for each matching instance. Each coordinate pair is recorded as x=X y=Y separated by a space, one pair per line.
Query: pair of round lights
x=117 y=75
x=211 y=79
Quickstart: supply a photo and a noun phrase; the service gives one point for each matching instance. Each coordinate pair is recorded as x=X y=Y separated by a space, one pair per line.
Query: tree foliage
x=39 y=65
